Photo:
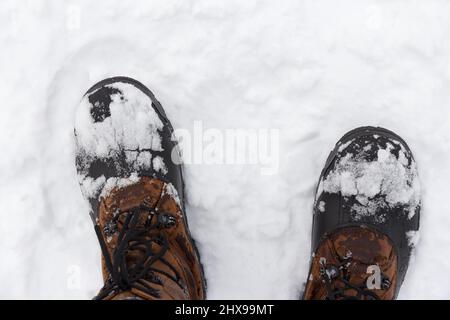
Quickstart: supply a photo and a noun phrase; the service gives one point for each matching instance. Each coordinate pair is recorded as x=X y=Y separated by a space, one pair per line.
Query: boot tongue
x=362 y=245
x=114 y=208
x=362 y=249
x=166 y=275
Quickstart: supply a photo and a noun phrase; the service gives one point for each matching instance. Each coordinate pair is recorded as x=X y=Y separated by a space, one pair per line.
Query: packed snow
x=128 y=123
x=311 y=69
x=132 y=124
x=387 y=181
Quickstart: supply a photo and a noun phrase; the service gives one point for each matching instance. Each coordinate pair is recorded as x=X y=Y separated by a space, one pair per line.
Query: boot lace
x=332 y=275
x=149 y=242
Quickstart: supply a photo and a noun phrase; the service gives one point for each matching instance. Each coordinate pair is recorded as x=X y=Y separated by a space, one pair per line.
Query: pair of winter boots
x=366 y=212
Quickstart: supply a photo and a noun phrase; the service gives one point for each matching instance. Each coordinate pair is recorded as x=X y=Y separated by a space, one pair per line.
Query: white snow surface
x=313 y=69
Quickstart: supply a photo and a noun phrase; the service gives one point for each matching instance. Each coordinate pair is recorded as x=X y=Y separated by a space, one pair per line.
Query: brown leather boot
x=343 y=264
x=366 y=218
x=129 y=171
x=147 y=239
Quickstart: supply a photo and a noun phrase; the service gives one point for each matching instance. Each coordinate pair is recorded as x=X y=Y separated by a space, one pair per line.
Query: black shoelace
x=333 y=274
x=143 y=239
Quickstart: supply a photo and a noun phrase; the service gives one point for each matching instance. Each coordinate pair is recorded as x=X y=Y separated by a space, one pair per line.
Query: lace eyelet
x=166 y=220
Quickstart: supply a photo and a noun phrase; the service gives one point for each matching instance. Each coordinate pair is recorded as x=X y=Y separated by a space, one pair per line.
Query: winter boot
x=366 y=218
x=130 y=173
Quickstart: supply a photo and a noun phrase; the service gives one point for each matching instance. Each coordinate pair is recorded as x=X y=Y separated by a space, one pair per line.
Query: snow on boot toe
x=122 y=133
x=370 y=180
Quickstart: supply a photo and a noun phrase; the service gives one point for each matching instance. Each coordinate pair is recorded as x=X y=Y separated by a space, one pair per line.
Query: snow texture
x=311 y=68
x=133 y=124
x=129 y=123
x=386 y=182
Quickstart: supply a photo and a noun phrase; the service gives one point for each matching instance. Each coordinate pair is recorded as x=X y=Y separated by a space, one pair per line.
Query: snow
x=170 y=190
x=159 y=165
x=127 y=124
x=132 y=121
x=322 y=206
x=311 y=69
x=119 y=183
x=413 y=238
x=389 y=178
